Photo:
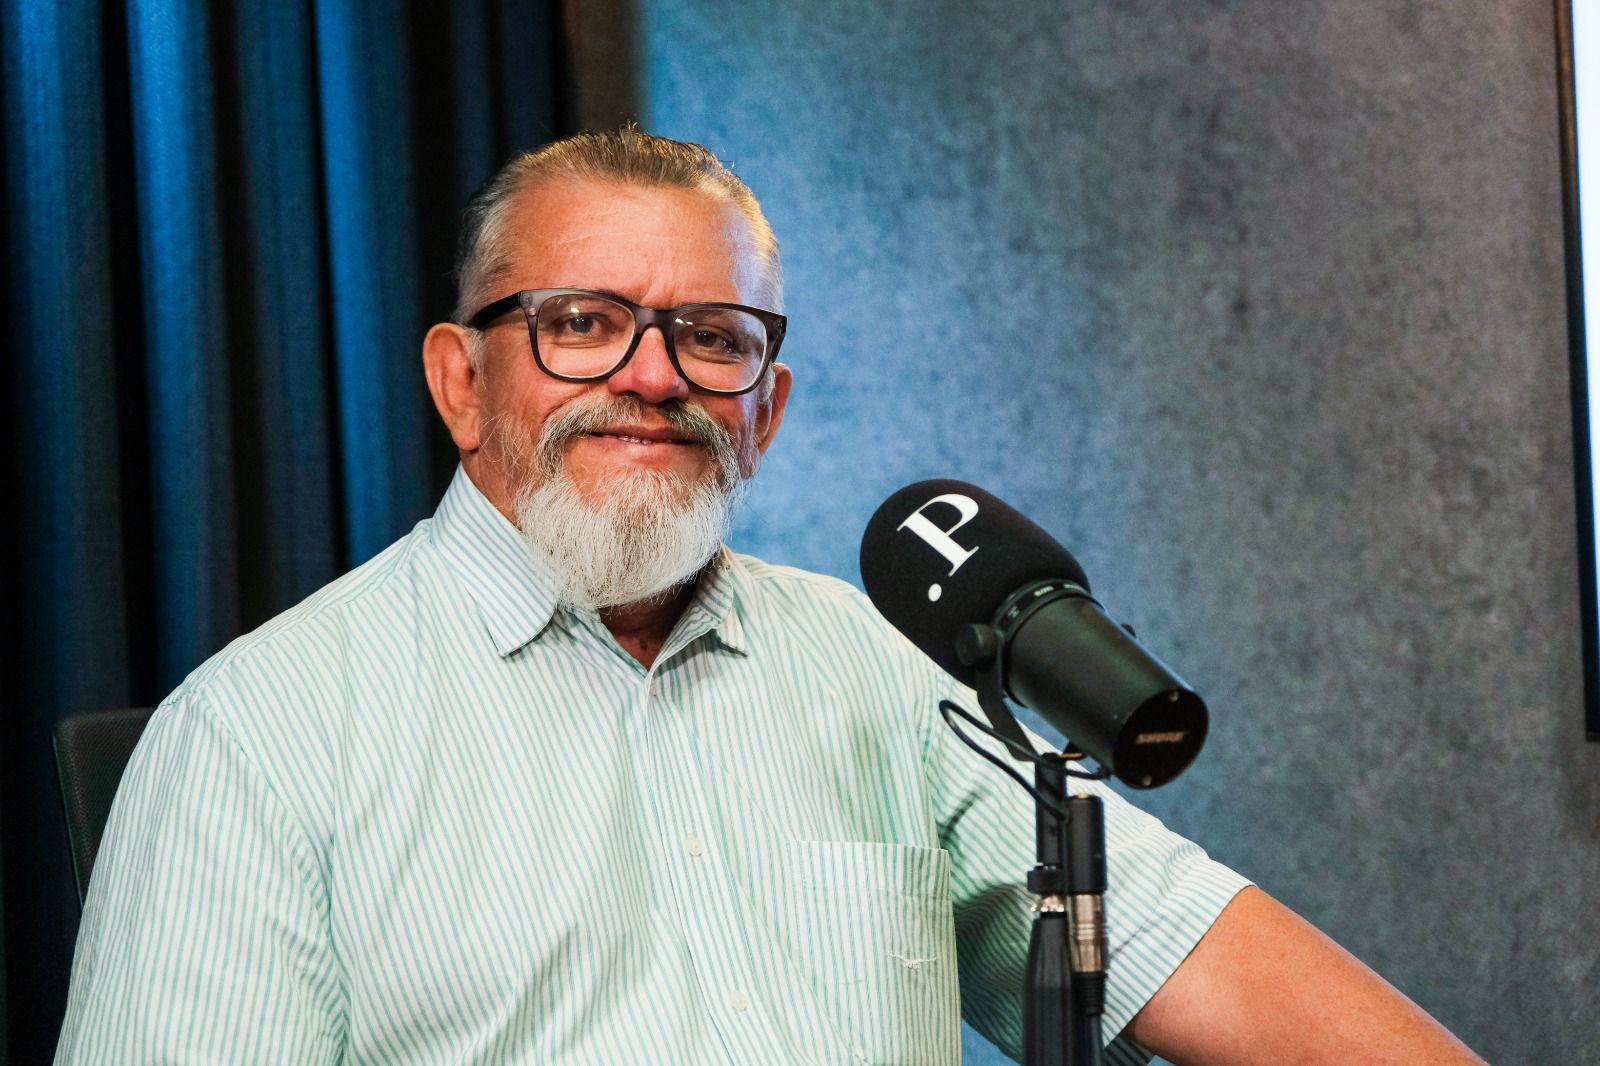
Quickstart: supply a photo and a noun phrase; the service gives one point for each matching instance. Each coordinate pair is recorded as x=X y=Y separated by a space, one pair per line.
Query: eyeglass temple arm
x=492 y=311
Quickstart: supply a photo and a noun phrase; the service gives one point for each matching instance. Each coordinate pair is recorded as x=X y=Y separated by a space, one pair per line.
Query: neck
x=642 y=628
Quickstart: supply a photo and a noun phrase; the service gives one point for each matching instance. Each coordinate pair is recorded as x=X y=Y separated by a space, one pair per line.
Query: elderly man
x=557 y=778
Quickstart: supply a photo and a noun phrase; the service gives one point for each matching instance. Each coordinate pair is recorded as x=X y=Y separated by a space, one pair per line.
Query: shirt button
x=739 y=1001
x=694 y=845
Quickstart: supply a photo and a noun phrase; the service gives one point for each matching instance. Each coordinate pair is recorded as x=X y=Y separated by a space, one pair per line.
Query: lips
x=644 y=435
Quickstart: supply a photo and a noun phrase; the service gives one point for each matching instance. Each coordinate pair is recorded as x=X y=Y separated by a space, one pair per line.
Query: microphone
x=983 y=591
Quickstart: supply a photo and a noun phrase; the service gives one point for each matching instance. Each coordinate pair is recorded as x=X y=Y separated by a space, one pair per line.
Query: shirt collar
x=515 y=592
x=720 y=606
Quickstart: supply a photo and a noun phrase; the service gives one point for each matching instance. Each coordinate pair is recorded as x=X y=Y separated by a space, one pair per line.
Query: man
x=558 y=778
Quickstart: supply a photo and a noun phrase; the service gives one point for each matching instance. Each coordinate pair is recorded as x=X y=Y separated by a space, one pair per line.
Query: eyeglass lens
x=584 y=336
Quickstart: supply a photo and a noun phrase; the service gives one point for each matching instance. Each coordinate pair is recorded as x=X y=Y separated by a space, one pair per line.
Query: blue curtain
x=226 y=226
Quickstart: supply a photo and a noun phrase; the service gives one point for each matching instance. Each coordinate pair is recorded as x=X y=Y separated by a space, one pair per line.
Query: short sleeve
x=1163 y=892
x=205 y=933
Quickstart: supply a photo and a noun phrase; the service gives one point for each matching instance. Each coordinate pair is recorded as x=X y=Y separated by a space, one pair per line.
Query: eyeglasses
x=579 y=335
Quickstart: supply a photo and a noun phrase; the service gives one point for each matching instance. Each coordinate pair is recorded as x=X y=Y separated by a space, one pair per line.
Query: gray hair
x=628 y=156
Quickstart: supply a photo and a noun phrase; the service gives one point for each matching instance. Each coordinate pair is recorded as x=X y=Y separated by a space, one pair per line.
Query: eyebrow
x=629 y=299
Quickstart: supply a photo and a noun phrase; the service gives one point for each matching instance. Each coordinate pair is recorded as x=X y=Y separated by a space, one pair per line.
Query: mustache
x=587 y=414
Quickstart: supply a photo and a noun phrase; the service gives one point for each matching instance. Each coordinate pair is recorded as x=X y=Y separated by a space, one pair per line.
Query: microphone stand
x=1064 y=995
x=1048 y=1028
x=1088 y=950
x=1064 y=991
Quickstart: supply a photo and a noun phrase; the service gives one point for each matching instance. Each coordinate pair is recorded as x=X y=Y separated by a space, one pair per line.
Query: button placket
x=709 y=907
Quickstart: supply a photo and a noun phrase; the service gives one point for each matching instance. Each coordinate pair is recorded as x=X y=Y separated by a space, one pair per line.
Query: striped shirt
x=429 y=816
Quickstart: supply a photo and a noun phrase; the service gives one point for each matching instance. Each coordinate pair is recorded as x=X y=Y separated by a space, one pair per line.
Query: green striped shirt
x=429 y=816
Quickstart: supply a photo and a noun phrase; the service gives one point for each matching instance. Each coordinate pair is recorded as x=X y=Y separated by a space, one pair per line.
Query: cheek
x=526 y=399
x=513 y=422
x=508 y=439
x=744 y=428
x=749 y=459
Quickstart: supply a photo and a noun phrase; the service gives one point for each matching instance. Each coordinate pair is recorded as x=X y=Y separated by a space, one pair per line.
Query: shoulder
x=302 y=641
x=279 y=693
x=790 y=584
x=828 y=615
x=788 y=594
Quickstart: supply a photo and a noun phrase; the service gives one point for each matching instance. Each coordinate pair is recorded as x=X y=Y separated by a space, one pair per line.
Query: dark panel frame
x=1578 y=358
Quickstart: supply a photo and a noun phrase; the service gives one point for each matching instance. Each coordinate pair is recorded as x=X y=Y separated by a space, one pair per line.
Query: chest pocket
x=871 y=928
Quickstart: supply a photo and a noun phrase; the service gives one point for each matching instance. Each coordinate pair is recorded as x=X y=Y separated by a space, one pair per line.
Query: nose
x=649 y=374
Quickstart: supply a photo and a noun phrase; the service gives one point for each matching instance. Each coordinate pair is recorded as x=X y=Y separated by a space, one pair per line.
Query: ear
x=447 y=362
x=769 y=413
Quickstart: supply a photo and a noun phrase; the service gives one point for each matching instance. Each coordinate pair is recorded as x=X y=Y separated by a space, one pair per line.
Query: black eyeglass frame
x=530 y=300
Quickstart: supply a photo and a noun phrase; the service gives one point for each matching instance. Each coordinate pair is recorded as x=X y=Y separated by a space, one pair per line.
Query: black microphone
x=948 y=564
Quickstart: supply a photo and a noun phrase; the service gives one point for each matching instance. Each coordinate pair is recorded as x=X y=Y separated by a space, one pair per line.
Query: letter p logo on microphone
x=940 y=540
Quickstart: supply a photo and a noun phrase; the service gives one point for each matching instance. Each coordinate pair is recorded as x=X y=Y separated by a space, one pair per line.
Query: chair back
x=92 y=749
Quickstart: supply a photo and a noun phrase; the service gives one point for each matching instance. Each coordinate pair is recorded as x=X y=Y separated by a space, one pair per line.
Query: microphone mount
x=983 y=648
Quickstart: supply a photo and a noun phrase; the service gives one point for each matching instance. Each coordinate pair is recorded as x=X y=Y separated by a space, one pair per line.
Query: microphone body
x=942 y=557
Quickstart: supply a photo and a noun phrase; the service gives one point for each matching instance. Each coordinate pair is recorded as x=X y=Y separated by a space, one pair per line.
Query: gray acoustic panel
x=1258 y=306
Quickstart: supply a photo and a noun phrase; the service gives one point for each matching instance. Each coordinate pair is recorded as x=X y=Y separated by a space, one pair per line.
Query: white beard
x=641 y=533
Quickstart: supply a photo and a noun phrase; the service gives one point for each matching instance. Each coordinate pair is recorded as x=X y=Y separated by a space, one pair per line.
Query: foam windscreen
x=940 y=555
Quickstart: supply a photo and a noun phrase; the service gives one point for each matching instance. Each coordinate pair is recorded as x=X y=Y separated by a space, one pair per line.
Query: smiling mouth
x=637 y=438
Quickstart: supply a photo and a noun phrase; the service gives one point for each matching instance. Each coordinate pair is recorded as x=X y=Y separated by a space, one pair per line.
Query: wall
x=1258 y=307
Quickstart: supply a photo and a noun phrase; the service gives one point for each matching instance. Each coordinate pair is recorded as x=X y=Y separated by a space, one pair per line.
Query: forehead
x=658 y=246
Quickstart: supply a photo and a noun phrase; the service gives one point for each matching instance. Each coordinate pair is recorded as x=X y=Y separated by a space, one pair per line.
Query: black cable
x=945 y=707
x=989 y=731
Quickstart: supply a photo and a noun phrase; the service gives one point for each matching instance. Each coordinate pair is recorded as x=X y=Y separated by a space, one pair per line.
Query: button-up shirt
x=430 y=815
